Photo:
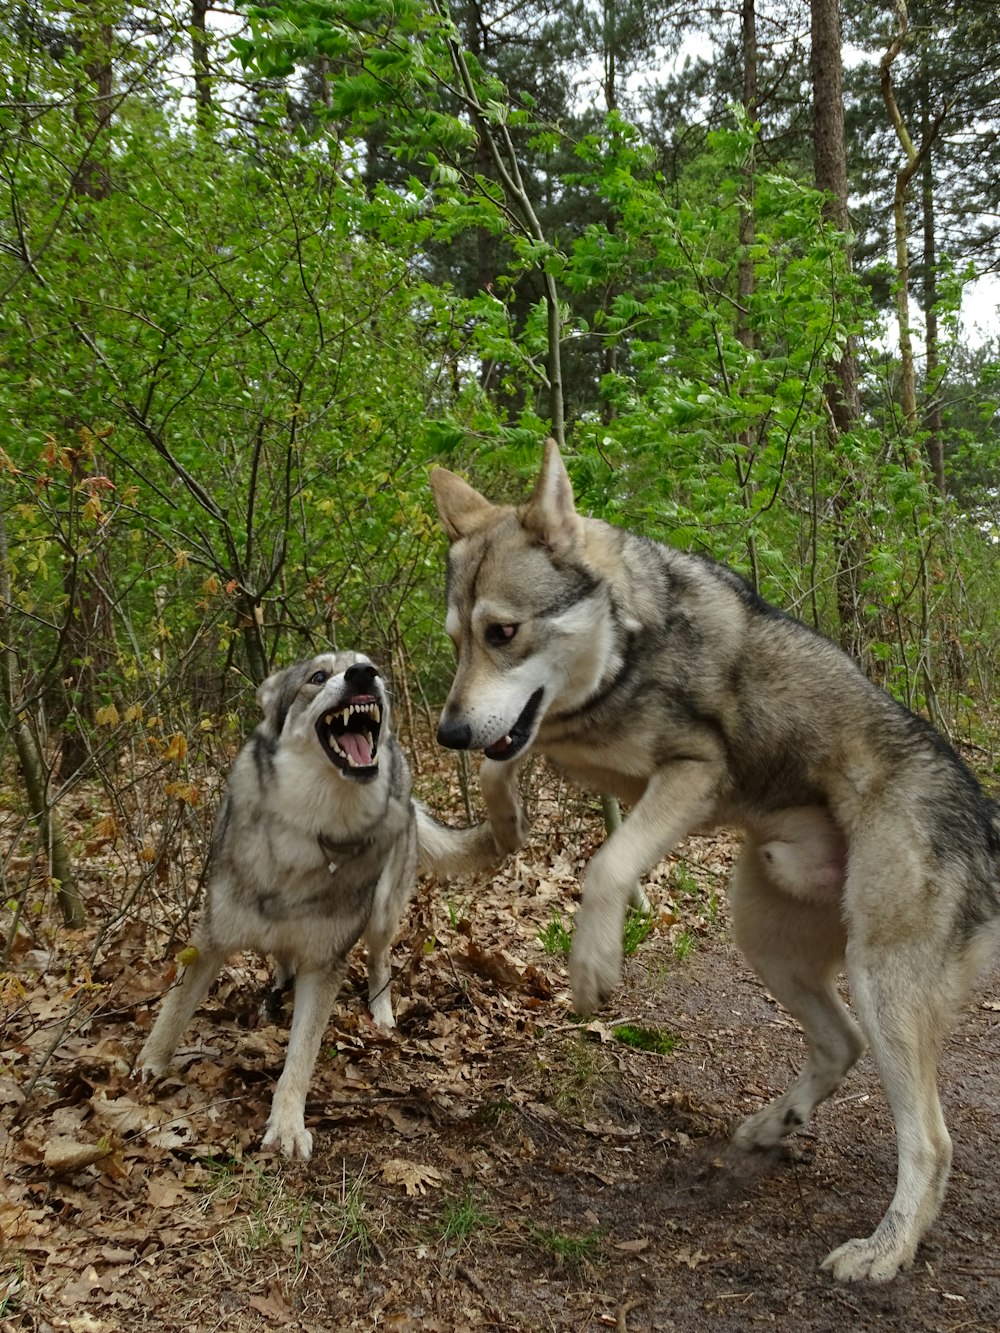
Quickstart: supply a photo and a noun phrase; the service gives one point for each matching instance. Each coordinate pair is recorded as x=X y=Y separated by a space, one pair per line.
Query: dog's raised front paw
x=289 y=1135
x=767 y=1127
x=866 y=1259
x=595 y=964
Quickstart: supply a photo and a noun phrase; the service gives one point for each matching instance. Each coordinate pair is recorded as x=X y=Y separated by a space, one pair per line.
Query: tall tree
x=830 y=170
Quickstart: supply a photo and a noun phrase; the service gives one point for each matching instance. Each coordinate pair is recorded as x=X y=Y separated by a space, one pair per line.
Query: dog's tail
x=444 y=851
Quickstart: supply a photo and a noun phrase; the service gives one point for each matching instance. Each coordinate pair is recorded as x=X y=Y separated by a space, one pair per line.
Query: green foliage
x=556 y=938
x=639 y=925
x=655 y=1040
x=236 y=340
x=568 y=1250
x=462 y=1217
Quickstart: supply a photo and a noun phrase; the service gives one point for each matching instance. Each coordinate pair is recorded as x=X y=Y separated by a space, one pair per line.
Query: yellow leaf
x=181 y=560
x=107 y=716
x=177 y=747
x=413 y=1176
x=133 y=713
x=188 y=956
x=184 y=791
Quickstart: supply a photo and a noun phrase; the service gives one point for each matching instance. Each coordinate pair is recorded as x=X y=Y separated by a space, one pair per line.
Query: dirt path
x=493 y=1165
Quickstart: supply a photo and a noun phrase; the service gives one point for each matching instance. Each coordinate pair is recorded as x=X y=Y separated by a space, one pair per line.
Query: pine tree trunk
x=841 y=390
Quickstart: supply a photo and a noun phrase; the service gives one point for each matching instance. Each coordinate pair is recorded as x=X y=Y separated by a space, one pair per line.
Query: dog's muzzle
x=349 y=731
x=458 y=735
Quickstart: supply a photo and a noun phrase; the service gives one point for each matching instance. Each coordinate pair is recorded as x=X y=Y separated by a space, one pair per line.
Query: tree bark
x=746 y=278
x=199 y=60
x=30 y=756
x=841 y=390
x=933 y=424
x=915 y=155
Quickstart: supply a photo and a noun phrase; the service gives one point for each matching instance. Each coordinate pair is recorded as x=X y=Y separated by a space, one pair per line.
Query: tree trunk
x=199 y=60
x=915 y=156
x=933 y=423
x=89 y=628
x=89 y=637
x=30 y=756
x=746 y=277
x=841 y=390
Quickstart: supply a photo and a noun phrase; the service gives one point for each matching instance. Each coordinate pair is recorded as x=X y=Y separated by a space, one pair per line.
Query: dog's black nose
x=455 y=735
x=361 y=675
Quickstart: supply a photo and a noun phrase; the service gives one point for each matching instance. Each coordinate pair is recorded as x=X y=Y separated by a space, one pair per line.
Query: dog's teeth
x=376 y=712
x=346 y=716
x=329 y=719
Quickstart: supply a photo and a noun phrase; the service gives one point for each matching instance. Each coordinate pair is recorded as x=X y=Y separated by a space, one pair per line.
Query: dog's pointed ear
x=550 y=515
x=461 y=508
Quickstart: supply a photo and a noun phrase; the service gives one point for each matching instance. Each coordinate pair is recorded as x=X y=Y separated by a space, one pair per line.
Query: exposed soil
x=492 y=1165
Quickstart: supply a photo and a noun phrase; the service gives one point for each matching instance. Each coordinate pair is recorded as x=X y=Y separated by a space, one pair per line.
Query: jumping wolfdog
x=317 y=843
x=662 y=678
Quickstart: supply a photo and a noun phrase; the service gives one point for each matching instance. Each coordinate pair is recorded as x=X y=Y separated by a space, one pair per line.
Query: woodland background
x=260 y=269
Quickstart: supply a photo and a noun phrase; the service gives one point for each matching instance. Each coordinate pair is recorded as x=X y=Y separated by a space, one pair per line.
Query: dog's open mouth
x=520 y=733
x=349 y=734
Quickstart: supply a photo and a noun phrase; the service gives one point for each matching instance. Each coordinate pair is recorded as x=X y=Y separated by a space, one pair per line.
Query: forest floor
x=494 y=1163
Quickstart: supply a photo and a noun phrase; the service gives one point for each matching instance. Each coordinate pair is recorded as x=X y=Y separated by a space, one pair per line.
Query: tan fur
x=661 y=678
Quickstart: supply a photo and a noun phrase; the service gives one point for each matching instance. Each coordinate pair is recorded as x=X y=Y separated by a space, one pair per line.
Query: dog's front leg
x=677 y=799
x=207 y=958
x=508 y=821
x=315 y=992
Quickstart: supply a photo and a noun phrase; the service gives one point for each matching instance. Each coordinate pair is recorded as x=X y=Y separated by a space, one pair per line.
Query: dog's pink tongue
x=356 y=745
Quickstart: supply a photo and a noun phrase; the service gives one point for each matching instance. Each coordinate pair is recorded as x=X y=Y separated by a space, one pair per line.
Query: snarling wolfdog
x=317 y=844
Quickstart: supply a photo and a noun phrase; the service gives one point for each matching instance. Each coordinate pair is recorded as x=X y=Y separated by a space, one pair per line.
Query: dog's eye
x=498 y=635
x=319 y=678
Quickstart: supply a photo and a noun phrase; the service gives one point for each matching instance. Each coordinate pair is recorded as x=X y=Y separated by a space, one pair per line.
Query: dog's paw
x=381 y=1008
x=289 y=1135
x=866 y=1259
x=595 y=963
x=768 y=1127
x=637 y=898
x=150 y=1065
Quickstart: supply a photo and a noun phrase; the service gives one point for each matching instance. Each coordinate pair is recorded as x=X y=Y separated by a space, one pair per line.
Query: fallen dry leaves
x=116 y=1196
x=492 y=1163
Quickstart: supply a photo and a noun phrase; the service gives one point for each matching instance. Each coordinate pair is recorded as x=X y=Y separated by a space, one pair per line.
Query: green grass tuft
x=645 y=1039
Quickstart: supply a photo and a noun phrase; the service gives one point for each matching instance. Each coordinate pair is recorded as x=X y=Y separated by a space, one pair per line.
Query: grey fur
x=310 y=852
x=660 y=677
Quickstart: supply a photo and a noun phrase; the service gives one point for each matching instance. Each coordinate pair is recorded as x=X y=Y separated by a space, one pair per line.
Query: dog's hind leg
x=178 y=1007
x=315 y=992
x=796 y=947
x=905 y=1002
